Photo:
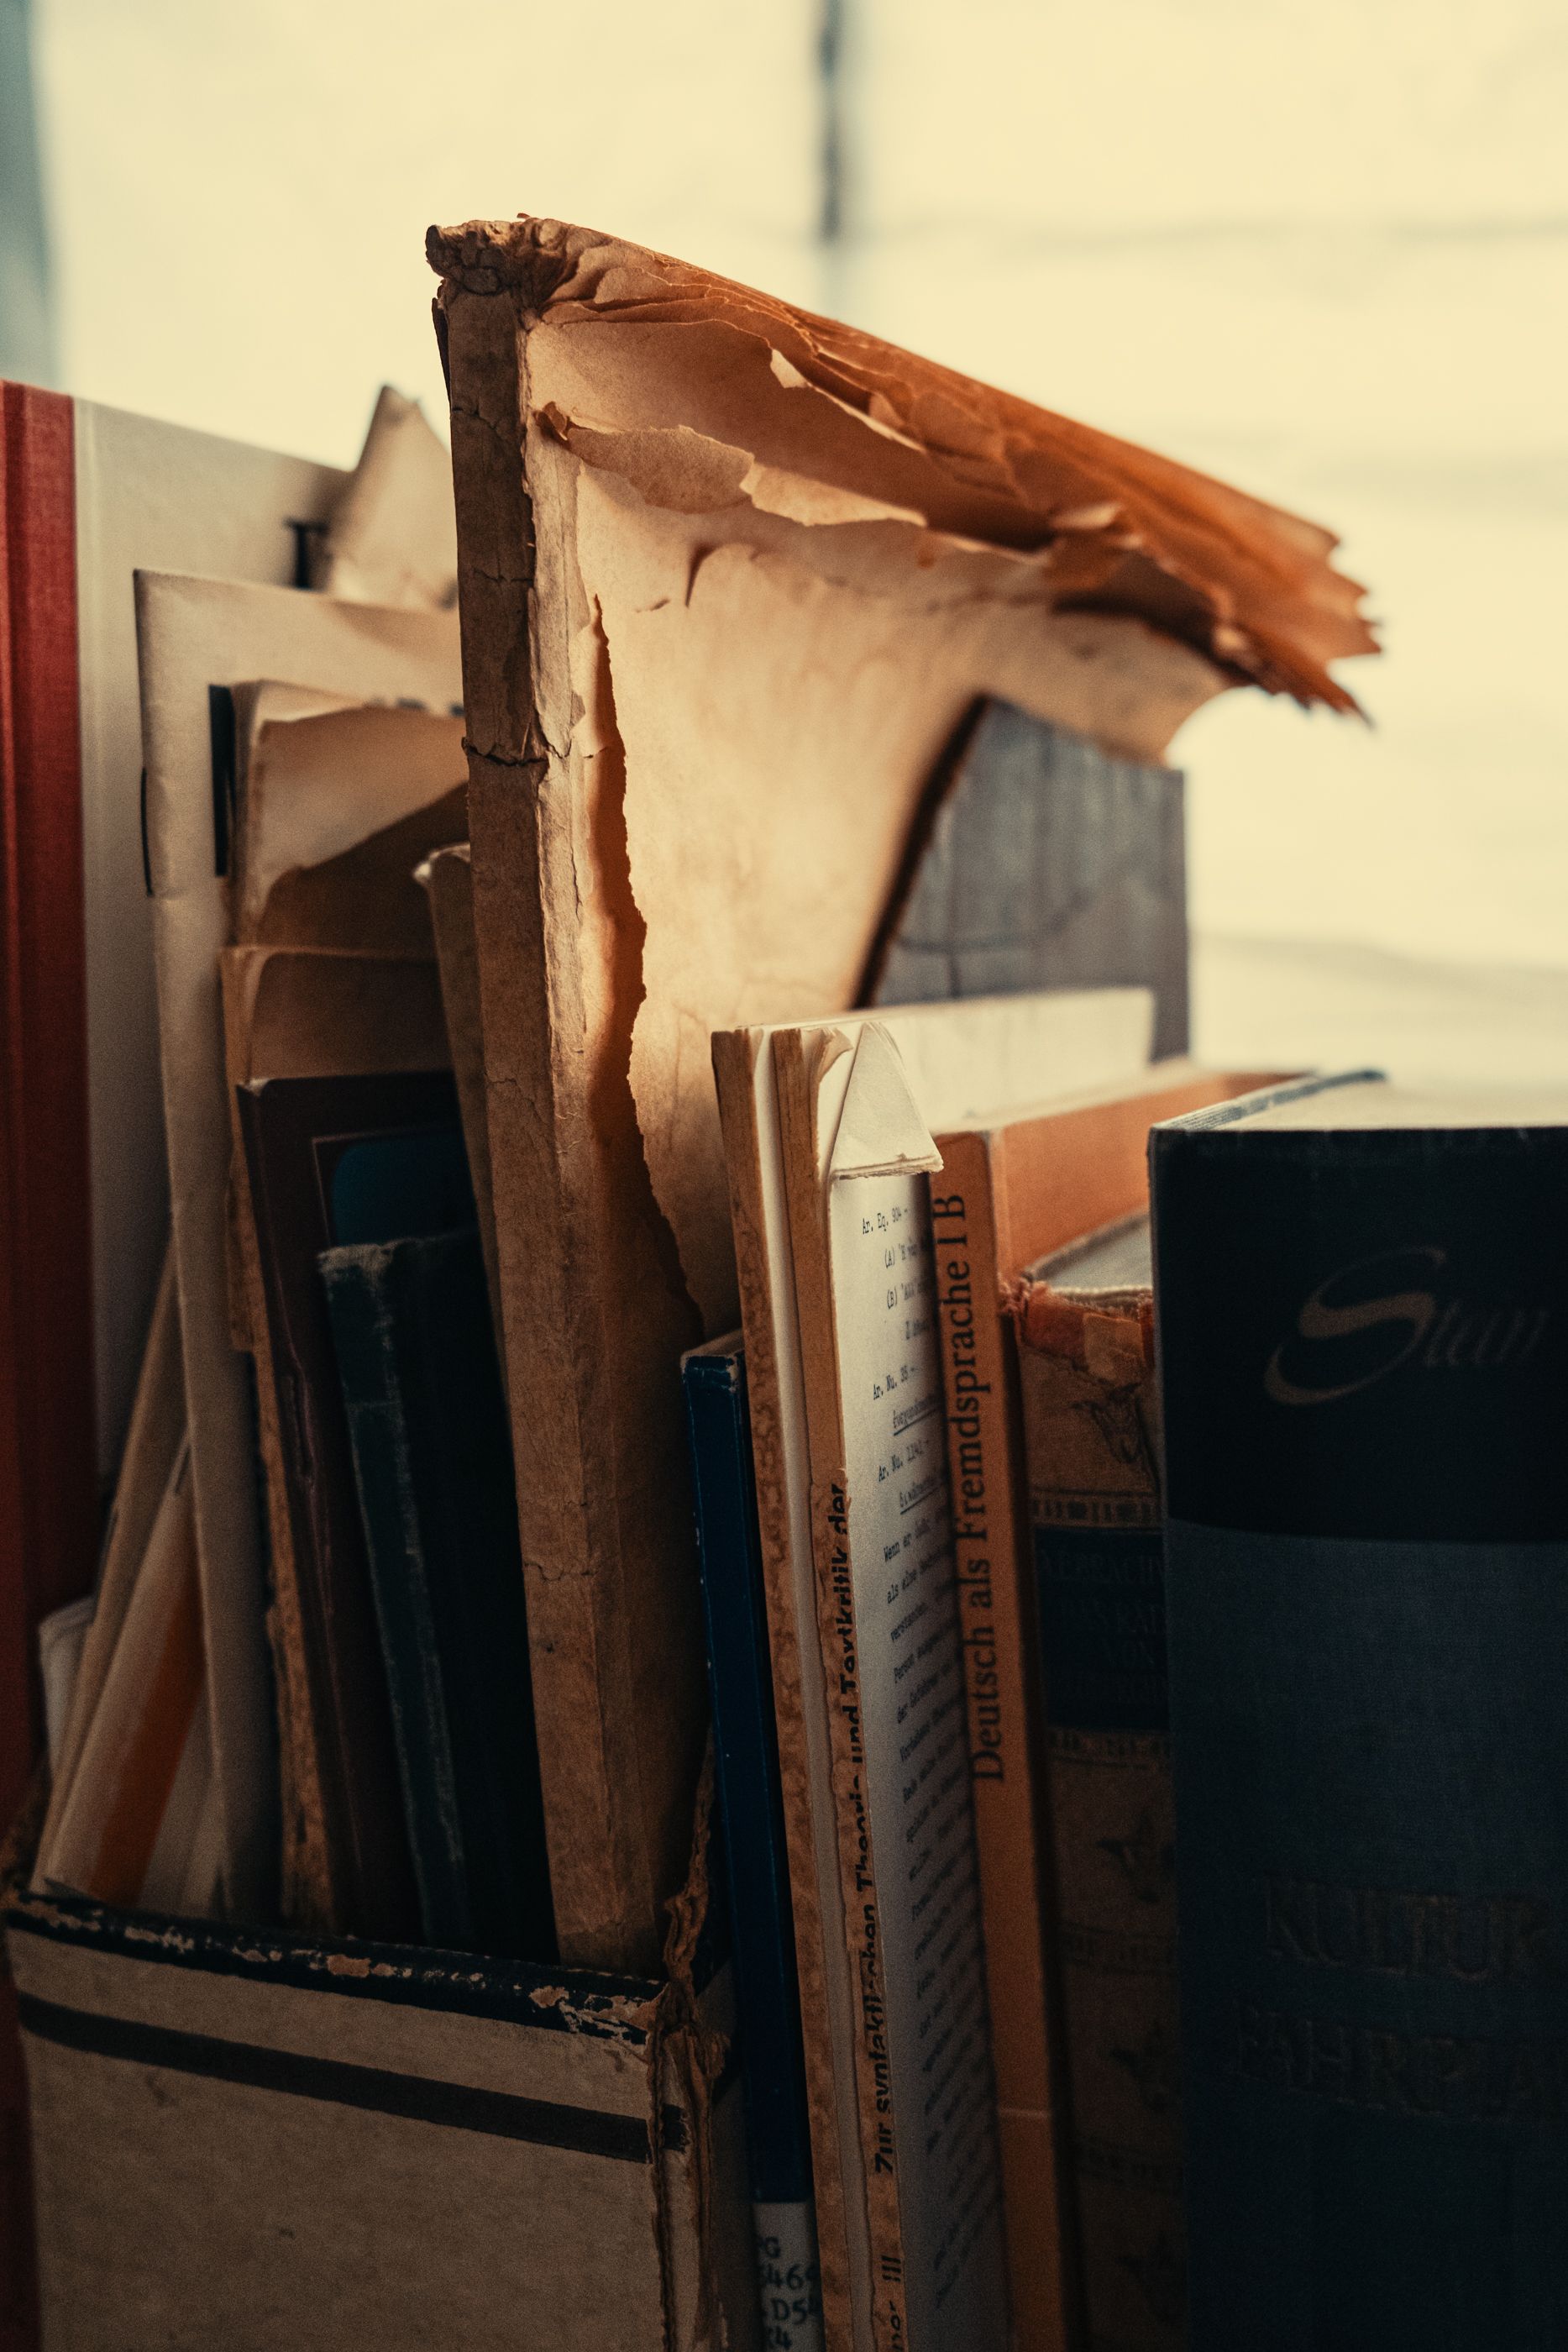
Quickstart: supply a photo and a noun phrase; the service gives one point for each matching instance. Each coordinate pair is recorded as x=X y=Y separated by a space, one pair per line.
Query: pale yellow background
x=1318 y=246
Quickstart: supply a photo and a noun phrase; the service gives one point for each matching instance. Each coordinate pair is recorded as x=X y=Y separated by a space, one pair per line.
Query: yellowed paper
x=61 y=1636
x=392 y=539
x=151 y=494
x=153 y=1441
x=792 y=721
x=174 y=1877
x=305 y=1012
x=193 y=635
x=319 y=777
x=108 y=1831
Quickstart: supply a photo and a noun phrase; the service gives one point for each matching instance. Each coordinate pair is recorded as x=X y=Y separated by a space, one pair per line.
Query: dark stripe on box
x=417 y=2098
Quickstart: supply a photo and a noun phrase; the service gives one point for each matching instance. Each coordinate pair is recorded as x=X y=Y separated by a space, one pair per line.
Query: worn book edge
x=747 y=1104
x=995 y=1601
x=801 y=1059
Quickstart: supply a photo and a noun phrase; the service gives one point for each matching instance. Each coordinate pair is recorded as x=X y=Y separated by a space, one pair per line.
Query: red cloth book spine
x=48 y=1485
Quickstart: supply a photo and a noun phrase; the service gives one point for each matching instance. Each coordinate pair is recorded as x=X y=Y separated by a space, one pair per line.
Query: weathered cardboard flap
x=694 y=375
x=234 y=2126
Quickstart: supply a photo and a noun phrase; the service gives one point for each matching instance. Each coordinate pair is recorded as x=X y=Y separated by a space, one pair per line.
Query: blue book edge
x=751 y=1841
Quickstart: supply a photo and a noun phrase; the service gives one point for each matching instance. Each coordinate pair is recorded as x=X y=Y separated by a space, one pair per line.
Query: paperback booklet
x=828 y=1130
x=1051 y=1466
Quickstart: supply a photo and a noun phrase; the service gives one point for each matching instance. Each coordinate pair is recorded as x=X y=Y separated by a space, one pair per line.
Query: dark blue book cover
x=751 y=1824
x=433 y=1464
x=343 y=1159
x=1363 y=1310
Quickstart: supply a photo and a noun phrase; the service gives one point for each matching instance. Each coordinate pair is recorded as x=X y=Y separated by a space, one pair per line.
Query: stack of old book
x=613 y=1783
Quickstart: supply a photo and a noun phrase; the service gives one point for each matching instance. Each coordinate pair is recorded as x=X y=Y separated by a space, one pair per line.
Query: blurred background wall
x=26 y=312
x=1319 y=247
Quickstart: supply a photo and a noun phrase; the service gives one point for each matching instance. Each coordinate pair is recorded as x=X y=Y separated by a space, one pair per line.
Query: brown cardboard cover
x=1092 y=1438
x=729 y=576
x=447 y=879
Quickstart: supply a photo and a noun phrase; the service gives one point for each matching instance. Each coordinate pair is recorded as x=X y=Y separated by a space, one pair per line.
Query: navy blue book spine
x=365 y=1345
x=433 y=1464
x=751 y=1822
x=1361 y=1338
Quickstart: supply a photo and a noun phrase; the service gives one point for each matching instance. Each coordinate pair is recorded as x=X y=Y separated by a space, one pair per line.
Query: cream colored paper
x=107 y=1833
x=61 y=1636
x=200 y=1894
x=774 y=708
x=172 y=1884
x=193 y=635
x=393 y=539
x=905 y=1653
x=319 y=776
x=147 y=493
x=153 y=1443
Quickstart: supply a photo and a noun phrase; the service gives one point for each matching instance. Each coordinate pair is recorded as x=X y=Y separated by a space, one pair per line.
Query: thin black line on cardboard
x=375 y=2090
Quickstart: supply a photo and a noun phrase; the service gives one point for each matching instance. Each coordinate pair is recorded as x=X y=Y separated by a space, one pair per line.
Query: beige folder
x=193 y=635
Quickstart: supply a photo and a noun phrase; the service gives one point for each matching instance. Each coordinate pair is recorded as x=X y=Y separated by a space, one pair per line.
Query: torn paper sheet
x=317 y=782
x=393 y=539
x=308 y=1012
x=665 y=346
x=778 y=729
x=337 y=803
